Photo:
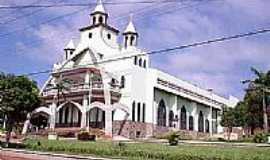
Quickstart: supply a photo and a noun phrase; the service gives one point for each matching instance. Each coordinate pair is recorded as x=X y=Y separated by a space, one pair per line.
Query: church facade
x=104 y=85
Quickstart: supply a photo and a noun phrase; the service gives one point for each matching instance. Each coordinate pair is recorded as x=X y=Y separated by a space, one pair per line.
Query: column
x=53 y=115
x=211 y=121
x=108 y=122
x=196 y=116
x=83 y=111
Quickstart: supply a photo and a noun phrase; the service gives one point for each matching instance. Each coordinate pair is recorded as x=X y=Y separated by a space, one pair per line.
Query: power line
x=83 y=4
x=115 y=19
x=24 y=15
x=166 y=50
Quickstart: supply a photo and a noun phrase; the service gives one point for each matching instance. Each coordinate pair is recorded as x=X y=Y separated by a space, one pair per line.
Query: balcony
x=75 y=88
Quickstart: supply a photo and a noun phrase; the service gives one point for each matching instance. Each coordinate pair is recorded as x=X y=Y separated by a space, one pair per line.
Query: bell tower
x=99 y=15
x=130 y=35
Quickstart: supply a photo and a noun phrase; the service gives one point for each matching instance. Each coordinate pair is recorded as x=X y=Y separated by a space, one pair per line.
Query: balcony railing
x=80 y=88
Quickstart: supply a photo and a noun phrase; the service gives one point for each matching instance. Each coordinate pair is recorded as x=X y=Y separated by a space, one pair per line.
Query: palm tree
x=262 y=84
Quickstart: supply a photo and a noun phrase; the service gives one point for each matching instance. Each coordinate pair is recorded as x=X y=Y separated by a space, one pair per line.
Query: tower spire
x=130 y=34
x=99 y=14
x=130 y=27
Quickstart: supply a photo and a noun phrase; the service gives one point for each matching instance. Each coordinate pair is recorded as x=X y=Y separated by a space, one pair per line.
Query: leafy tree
x=256 y=97
x=228 y=120
x=19 y=97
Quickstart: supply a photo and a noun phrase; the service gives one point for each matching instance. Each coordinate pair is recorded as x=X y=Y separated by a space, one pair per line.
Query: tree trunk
x=265 y=118
x=8 y=133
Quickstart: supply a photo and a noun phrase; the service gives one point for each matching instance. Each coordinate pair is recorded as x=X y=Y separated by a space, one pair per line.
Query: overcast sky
x=33 y=39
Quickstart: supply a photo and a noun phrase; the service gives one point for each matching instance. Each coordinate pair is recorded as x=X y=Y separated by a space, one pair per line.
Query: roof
x=70 y=45
x=99 y=8
x=130 y=27
x=104 y=25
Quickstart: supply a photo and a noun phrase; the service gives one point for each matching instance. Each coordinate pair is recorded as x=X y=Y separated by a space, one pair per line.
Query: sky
x=33 y=39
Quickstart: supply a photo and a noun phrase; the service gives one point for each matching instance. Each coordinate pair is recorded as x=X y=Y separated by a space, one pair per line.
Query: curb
x=55 y=154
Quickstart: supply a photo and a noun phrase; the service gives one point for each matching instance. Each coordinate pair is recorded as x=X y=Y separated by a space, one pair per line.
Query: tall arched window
x=183 y=117
x=135 y=60
x=140 y=62
x=100 y=19
x=190 y=123
x=123 y=81
x=143 y=113
x=94 y=20
x=161 y=117
x=144 y=64
x=139 y=112
x=132 y=38
x=133 y=111
x=171 y=116
x=207 y=126
x=201 y=122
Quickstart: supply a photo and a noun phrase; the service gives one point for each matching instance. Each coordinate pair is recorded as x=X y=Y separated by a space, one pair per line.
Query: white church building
x=101 y=84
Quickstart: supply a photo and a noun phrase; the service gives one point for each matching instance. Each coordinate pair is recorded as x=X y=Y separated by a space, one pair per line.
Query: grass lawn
x=138 y=151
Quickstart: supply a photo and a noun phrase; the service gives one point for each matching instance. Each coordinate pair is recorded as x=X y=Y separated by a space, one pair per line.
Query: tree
x=19 y=97
x=228 y=120
x=261 y=87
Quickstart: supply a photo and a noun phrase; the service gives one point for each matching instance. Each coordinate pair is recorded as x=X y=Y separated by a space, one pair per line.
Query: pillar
x=211 y=121
x=108 y=123
x=53 y=115
x=83 y=111
x=196 y=116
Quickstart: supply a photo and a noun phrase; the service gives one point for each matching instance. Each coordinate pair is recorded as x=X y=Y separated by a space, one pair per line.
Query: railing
x=81 y=88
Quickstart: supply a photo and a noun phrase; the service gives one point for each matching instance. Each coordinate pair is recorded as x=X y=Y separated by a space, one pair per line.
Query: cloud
x=219 y=66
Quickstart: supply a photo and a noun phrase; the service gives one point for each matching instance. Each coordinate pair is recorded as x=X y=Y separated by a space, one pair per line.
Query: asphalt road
x=13 y=155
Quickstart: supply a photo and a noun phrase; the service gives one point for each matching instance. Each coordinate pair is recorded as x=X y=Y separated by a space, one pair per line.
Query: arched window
x=123 y=81
x=171 y=116
x=109 y=36
x=183 y=117
x=126 y=40
x=140 y=62
x=144 y=64
x=90 y=35
x=207 y=126
x=135 y=60
x=201 y=122
x=132 y=38
x=161 y=117
x=143 y=112
x=100 y=19
x=139 y=112
x=94 y=20
x=133 y=111
x=190 y=123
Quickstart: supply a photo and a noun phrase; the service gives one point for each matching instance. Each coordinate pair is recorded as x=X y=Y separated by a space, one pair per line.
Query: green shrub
x=260 y=138
x=173 y=138
x=86 y=136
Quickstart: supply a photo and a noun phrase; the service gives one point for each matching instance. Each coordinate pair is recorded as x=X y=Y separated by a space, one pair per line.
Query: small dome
x=70 y=45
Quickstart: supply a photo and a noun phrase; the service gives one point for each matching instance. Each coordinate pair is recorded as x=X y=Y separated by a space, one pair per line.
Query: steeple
x=99 y=15
x=69 y=49
x=130 y=34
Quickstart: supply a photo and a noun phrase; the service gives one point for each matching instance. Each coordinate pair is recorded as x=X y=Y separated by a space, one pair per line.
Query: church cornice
x=97 y=25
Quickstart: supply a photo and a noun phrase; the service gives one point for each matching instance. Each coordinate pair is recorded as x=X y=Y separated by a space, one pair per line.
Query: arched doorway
x=96 y=118
x=40 y=120
x=69 y=116
x=201 y=122
x=183 y=118
x=161 y=115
